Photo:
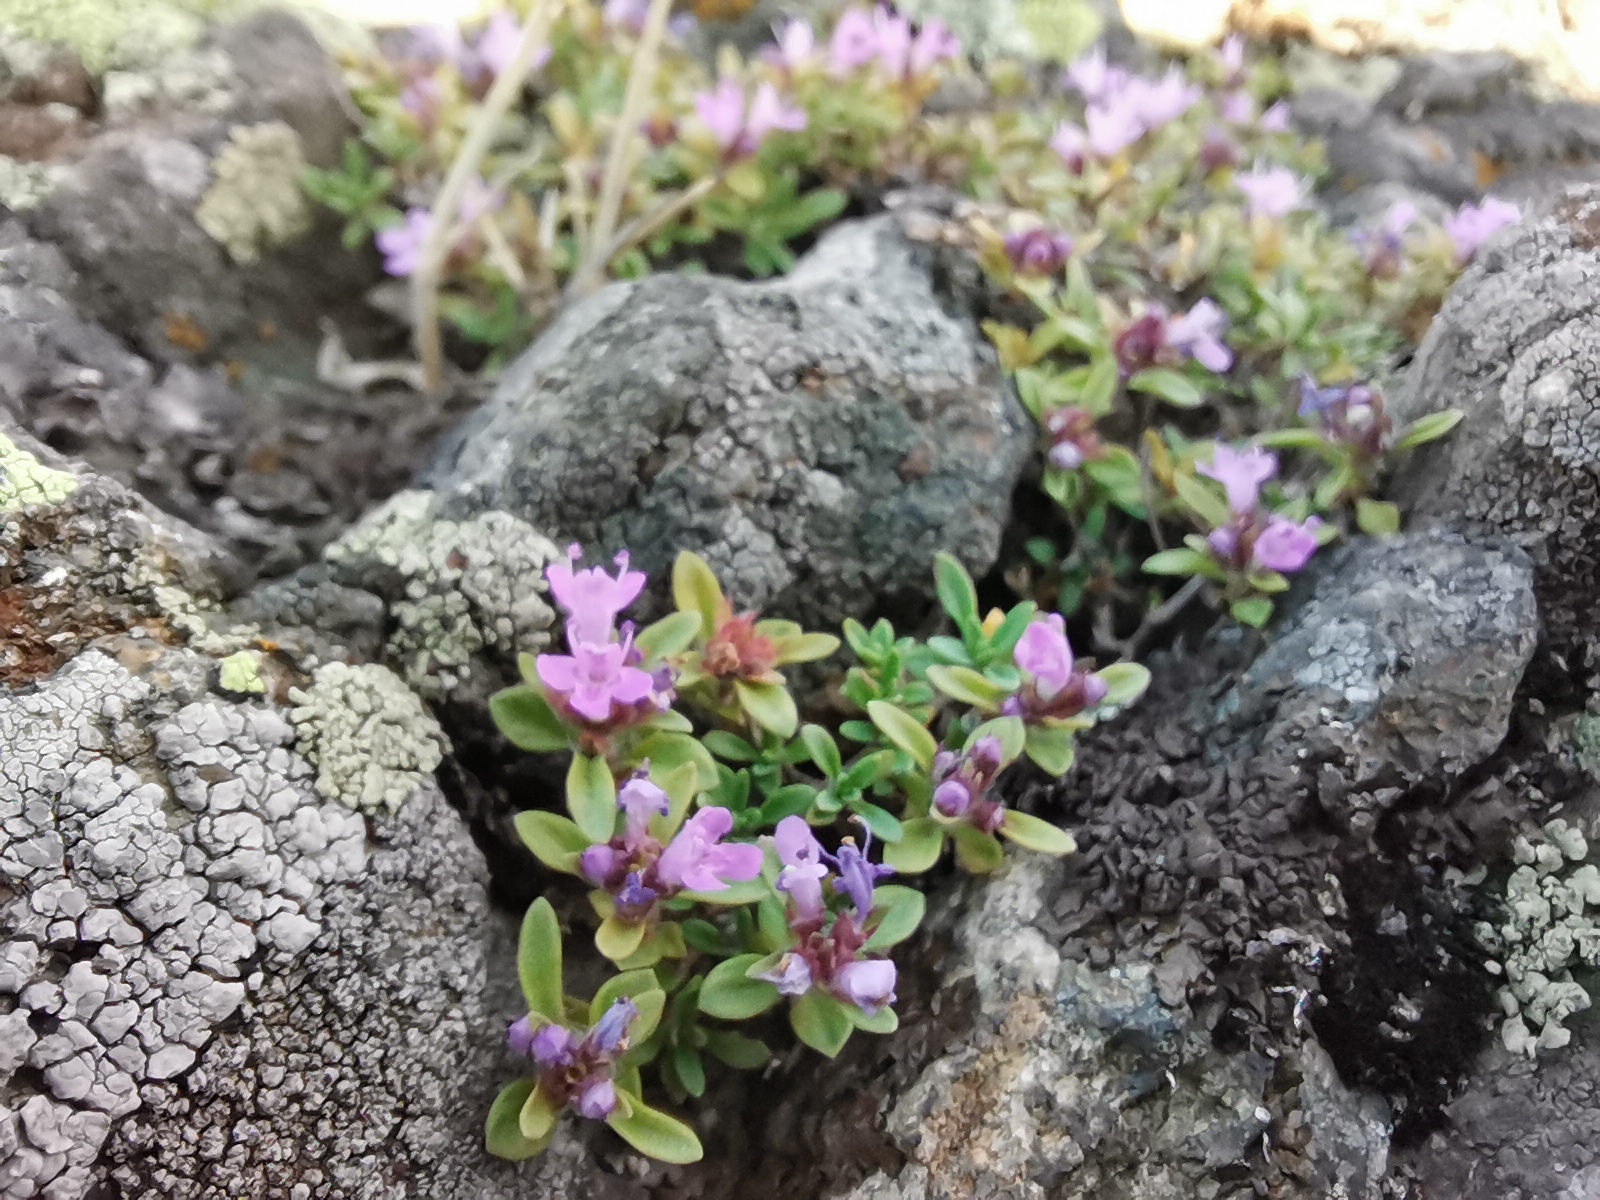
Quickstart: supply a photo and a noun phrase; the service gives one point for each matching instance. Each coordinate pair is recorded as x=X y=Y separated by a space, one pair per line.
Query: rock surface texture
x=817 y=438
x=1516 y=348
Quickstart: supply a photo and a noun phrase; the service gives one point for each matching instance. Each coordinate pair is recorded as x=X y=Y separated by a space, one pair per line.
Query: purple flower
x=695 y=861
x=435 y=45
x=952 y=798
x=597 y=1100
x=1217 y=150
x=639 y=799
x=1475 y=224
x=1275 y=119
x=894 y=43
x=1237 y=108
x=402 y=244
x=1038 y=251
x=867 y=983
x=1158 y=103
x=598 y=864
x=1093 y=79
x=1231 y=55
x=934 y=44
x=497 y=44
x=422 y=97
x=1112 y=127
x=634 y=898
x=1241 y=474
x=626 y=14
x=592 y=598
x=520 y=1036
x=739 y=131
x=796 y=46
x=803 y=868
x=1224 y=542
x=857 y=876
x=552 y=1046
x=854 y=43
x=1044 y=653
x=1285 y=546
x=1071 y=145
x=1198 y=334
x=1271 y=191
x=612 y=1028
x=593 y=678
x=792 y=976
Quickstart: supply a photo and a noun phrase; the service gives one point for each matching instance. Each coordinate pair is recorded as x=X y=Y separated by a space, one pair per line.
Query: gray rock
x=816 y=438
x=1515 y=348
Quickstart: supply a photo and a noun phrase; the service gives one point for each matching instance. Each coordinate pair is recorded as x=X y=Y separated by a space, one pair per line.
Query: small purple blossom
x=1237 y=107
x=952 y=798
x=934 y=44
x=402 y=245
x=598 y=864
x=435 y=45
x=597 y=1100
x=1475 y=224
x=1073 y=440
x=626 y=14
x=640 y=800
x=1284 y=545
x=867 y=983
x=795 y=47
x=423 y=97
x=1044 y=653
x=1197 y=334
x=1218 y=150
x=1071 y=145
x=1271 y=191
x=1093 y=78
x=611 y=1029
x=520 y=1037
x=1388 y=241
x=1038 y=251
x=854 y=43
x=740 y=127
x=1275 y=119
x=552 y=1046
x=592 y=598
x=1160 y=102
x=1231 y=56
x=497 y=44
x=694 y=860
x=593 y=678
x=1112 y=127
x=962 y=782
x=792 y=976
x=1241 y=474
x=858 y=876
x=803 y=868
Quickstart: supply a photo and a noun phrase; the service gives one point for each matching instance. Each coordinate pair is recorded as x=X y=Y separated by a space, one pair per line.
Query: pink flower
x=436 y=45
x=868 y=983
x=854 y=43
x=1071 y=145
x=626 y=14
x=1159 y=103
x=1198 y=334
x=894 y=43
x=497 y=44
x=1044 y=653
x=1241 y=474
x=1038 y=251
x=1475 y=224
x=739 y=132
x=1275 y=119
x=1112 y=128
x=640 y=800
x=1237 y=108
x=796 y=45
x=1231 y=56
x=1285 y=546
x=593 y=678
x=1272 y=191
x=934 y=44
x=592 y=598
x=803 y=868
x=402 y=244
x=695 y=861
x=1093 y=79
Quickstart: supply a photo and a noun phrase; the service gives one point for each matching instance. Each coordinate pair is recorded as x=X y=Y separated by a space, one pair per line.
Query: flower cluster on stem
x=1253 y=538
x=575 y=1072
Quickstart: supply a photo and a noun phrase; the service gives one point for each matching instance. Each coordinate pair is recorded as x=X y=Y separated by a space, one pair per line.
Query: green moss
x=24 y=480
x=256 y=201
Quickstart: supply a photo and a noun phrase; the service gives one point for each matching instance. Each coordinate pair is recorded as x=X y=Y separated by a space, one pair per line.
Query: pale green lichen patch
x=24 y=480
x=111 y=33
x=372 y=741
x=25 y=185
x=1551 y=904
x=241 y=673
x=256 y=201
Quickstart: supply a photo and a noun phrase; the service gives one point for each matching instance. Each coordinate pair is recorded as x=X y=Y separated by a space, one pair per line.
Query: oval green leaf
x=769 y=705
x=527 y=720
x=654 y=1134
x=921 y=840
x=967 y=686
x=673 y=634
x=732 y=995
x=899 y=910
x=823 y=749
x=502 y=1132
x=554 y=840
x=1013 y=735
x=1125 y=683
x=904 y=732
x=592 y=797
x=695 y=590
x=1034 y=834
x=977 y=852
x=539 y=961
x=1052 y=749
x=820 y=1022
x=538 y=1116
x=617 y=939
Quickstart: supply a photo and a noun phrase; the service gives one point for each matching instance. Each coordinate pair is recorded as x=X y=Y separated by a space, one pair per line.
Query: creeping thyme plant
x=736 y=859
x=1205 y=357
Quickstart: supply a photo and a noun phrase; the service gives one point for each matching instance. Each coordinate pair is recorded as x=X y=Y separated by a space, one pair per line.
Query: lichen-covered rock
x=1515 y=347
x=255 y=201
x=816 y=438
x=1050 y=30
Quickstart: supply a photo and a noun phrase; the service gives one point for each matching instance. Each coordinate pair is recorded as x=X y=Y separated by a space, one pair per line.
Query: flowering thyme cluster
x=1255 y=539
x=740 y=126
x=962 y=782
x=576 y=1072
x=1055 y=687
x=1121 y=109
x=1155 y=339
x=888 y=43
x=1351 y=414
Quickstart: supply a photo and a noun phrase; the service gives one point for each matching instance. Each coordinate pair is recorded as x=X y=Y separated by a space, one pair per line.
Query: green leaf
x=1255 y=611
x=654 y=1134
x=740 y=1052
x=820 y=1022
x=1177 y=390
x=1011 y=732
x=742 y=891
x=1267 y=582
x=651 y=1004
x=904 y=731
x=668 y=750
x=592 y=797
x=899 y=910
x=732 y=995
x=956 y=593
x=1429 y=428
x=1335 y=484
x=617 y=939
x=793 y=800
x=695 y=590
x=502 y=1133
x=537 y=1117
x=1051 y=748
x=1298 y=438
x=823 y=749
x=977 y=852
x=680 y=786
x=882 y=1021
x=769 y=705
x=1035 y=834
x=1120 y=476
x=1125 y=683
x=1376 y=517
x=527 y=720
x=539 y=961
x=691 y=1071
x=729 y=746
x=631 y=984
x=1201 y=500
x=967 y=686
x=804 y=648
x=554 y=840
x=1179 y=561
x=1100 y=387
x=673 y=634
x=883 y=824
x=921 y=840
x=868 y=770
x=707 y=938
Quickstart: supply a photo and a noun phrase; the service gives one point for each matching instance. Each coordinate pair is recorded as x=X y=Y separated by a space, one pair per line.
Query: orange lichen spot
x=183 y=332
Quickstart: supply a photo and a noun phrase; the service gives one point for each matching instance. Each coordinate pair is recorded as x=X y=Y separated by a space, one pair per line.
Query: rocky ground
x=257 y=877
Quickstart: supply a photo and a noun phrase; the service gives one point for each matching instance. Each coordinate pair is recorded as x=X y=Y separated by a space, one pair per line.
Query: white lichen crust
x=372 y=740
x=255 y=201
x=1551 y=925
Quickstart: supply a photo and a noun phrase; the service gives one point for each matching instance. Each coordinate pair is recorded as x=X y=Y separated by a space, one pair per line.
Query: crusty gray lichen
x=372 y=740
x=255 y=200
x=454 y=588
x=1552 y=901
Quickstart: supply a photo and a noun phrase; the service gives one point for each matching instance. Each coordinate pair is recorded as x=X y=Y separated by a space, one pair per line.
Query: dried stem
x=425 y=281
x=642 y=227
x=641 y=78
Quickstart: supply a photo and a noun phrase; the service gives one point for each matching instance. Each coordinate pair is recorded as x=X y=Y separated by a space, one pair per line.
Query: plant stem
x=643 y=226
x=425 y=280
x=641 y=77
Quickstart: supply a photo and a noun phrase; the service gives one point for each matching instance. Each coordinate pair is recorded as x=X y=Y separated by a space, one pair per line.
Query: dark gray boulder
x=817 y=438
